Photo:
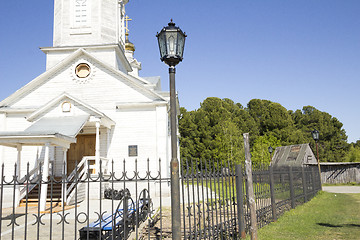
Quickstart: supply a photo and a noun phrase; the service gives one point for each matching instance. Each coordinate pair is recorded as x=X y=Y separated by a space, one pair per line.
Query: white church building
x=90 y=104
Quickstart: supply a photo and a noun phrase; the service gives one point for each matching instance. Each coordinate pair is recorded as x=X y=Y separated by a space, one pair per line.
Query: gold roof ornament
x=128 y=45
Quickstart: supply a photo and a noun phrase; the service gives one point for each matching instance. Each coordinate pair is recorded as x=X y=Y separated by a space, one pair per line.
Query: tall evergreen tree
x=214 y=131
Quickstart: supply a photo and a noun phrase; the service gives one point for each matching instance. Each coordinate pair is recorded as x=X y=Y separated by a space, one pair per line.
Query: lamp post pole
x=175 y=180
x=171 y=45
x=318 y=162
x=315 y=134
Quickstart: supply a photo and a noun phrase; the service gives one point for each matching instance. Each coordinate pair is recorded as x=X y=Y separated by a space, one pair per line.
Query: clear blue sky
x=296 y=53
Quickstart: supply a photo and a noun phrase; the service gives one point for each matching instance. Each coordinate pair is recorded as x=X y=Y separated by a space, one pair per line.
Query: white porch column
x=108 y=132
x=18 y=174
x=45 y=176
x=52 y=159
x=97 y=147
x=64 y=171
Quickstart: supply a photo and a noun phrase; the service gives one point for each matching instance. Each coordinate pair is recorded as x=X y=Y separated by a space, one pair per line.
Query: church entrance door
x=84 y=146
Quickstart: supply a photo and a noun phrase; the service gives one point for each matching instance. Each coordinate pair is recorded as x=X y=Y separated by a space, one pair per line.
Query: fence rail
x=214 y=201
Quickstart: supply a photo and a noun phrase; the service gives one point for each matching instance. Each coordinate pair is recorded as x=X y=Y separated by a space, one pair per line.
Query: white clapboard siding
x=101 y=92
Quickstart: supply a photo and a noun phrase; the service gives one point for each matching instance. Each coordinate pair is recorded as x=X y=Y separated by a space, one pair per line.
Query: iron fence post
x=292 y=194
x=240 y=200
x=272 y=193
x=126 y=209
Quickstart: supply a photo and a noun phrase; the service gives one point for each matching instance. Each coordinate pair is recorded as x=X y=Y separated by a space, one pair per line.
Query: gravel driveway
x=342 y=189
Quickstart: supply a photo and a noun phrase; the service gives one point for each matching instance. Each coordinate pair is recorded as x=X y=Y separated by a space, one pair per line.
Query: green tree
x=353 y=155
x=260 y=151
x=271 y=118
x=213 y=132
x=229 y=143
x=333 y=140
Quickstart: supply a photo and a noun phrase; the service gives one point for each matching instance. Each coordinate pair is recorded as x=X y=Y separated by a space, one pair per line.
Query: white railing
x=32 y=181
x=86 y=165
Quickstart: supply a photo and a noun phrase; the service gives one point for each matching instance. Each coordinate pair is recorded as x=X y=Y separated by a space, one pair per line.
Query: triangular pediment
x=66 y=105
x=136 y=84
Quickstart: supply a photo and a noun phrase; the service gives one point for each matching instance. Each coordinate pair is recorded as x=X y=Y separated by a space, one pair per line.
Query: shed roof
x=293 y=155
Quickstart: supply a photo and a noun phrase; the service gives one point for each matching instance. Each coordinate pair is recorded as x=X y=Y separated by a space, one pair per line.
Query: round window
x=82 y=70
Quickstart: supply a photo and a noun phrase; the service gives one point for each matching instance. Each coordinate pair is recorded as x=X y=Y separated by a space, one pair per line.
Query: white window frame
x=82 y=18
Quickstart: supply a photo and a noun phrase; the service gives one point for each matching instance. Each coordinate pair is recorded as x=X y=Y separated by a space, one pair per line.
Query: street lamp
x=171 y=44
x=315 y=134
x=270 y=151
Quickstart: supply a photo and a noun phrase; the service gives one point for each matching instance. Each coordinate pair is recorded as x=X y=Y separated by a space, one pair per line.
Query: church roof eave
x=138 y=82
x=107 y=121
x=13 y=139
x=126 y=105
x=118 y=49
x=44 y=76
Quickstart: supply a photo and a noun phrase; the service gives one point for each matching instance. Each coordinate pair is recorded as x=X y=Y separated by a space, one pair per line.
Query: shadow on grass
x=337 y=226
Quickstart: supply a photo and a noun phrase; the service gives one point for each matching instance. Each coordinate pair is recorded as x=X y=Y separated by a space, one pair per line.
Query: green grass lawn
x=328 y=216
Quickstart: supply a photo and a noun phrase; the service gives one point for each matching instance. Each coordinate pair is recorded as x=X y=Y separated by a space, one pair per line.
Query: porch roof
x=58 y=131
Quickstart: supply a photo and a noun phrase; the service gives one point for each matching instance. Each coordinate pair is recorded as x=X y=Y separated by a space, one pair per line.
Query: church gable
x=63 y=106
x=85 y=78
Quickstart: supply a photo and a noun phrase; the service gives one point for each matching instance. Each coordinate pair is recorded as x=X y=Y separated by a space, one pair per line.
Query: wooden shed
x=293 y=155
x=339 y=172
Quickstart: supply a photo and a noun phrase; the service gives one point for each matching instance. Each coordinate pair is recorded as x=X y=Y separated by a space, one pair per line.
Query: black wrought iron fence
x=209 y=201
x=127 y=204
x=215 y=197
x=135 y=204
x=278 y=189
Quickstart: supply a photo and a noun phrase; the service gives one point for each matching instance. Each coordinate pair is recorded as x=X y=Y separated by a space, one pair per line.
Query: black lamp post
x=171 y=44
x=316 y=135
x=270 y=151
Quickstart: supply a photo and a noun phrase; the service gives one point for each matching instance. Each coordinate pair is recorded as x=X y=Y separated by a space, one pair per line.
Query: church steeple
x=97 y=26
x=89 y=22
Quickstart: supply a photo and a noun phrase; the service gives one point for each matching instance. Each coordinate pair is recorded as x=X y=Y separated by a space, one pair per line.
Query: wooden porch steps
x=55 y=197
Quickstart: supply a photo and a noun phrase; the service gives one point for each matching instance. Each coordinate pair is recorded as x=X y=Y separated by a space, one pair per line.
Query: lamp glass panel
x=162 y=44
x=172 y=46
x=181 y=42
x=317 y=135
x=171 y=43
